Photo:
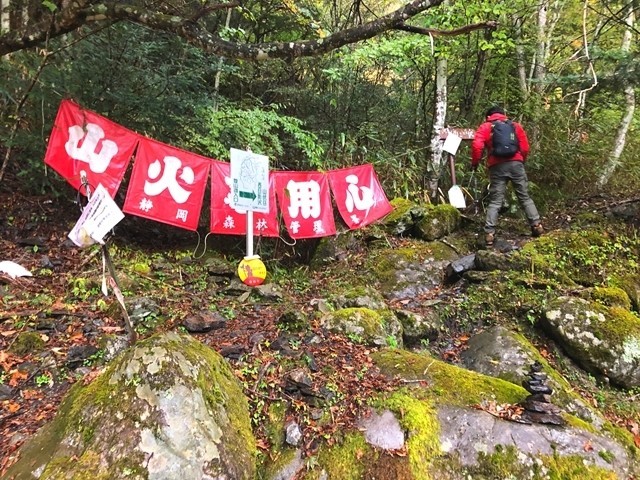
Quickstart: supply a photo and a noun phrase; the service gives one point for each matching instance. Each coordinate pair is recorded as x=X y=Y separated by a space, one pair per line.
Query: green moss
x=344 y=461
x=579 y=423
x=383 y=264
x=588 y=256
x=86 y=467
x=275 y=461
x=112 y=394
x=440 y=220
x=621 y=326
x=625 y=438
x=504 y=463
x=401 y=208
x=607 y=456
x=448 y=384
x=630 y=283
x=234 y=403
x=274 y=426
x=611 y=297
x=419 y=419
x=573 y=468
x=362 y=323
x=27 y=342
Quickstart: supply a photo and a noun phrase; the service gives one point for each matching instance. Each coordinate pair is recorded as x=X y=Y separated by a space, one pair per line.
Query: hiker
x=508 y=147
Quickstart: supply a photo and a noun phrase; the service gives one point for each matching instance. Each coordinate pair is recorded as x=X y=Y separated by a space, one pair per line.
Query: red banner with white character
x=225 y=219
x=82 y=141
x=305 y=203
x=167 y=184
x=358 y=195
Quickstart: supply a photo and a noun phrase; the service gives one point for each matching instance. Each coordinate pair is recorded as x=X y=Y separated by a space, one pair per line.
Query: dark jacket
x=482 y=140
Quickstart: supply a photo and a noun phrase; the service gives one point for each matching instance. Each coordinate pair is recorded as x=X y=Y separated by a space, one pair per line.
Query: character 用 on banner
x=304 y=198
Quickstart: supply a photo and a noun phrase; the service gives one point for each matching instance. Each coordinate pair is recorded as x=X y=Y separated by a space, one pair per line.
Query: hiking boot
x=537 y=230
x=488 y=239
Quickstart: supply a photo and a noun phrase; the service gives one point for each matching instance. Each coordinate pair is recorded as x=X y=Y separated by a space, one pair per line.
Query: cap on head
x=495 y=109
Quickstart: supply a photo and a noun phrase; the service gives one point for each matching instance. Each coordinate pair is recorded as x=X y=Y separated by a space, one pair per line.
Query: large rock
x=431 y=431
x=504 y=354
x=427 y=222
x=168 y=408
x=471 y=437
x=603 y=340
x=411 y=271
x=363 y=325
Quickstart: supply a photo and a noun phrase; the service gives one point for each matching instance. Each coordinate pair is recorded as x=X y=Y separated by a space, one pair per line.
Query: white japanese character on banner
x=98 y=161
x=169 y=179
x=182 y=214
x=358 y=197
x=294 y=226
x=261 y=224
x=304 y=198
x=228 y=222
x=317 y=227
x=355 y=219
x=145 y=205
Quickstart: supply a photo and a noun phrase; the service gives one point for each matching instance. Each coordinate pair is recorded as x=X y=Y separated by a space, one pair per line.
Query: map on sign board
x=249 y=181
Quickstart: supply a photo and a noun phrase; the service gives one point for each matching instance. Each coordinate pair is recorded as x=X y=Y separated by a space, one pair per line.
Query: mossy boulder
x=404 y=217
x=410 y=271
x=490 y=260
x=611 y=297
x=440 y=221
x=359 y=297
x=427 y=222
x=27 y=342
x=502 y=353
x=603 y=340
x=447 y=435
x=585 y=257
x=167 y=408
x=363 y=325
x=630 y=284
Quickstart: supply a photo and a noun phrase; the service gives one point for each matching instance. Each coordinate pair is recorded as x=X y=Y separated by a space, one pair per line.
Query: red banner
x=305 y=203
x=358 y=195
x=83 y=141
x=227 y=220
x=167 y=184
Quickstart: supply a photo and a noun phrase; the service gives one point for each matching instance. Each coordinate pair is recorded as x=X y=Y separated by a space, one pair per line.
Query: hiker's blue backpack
x=504 y=141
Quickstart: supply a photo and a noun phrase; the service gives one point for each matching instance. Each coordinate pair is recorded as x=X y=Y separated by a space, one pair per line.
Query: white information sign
x=99 y=216
x=249 y=181
x=451 y=143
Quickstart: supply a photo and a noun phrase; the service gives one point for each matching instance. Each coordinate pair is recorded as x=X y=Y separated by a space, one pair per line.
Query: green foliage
x=264 y=131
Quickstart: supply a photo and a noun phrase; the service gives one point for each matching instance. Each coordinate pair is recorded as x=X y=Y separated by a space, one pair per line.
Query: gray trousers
x=499 y=175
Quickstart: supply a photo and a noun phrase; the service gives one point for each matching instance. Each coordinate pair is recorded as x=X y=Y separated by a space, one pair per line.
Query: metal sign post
x=250 y=191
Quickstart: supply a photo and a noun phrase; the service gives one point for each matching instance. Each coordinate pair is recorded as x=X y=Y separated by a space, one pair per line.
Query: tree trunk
x=440 y=114
x=522 y=69
x=630 y=101
x=4 y=16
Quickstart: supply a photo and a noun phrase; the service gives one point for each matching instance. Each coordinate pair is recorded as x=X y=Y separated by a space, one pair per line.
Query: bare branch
x=84 y=12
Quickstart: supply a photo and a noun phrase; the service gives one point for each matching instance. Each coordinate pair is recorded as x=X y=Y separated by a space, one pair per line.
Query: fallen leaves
x=16 y=376
x=506 y=411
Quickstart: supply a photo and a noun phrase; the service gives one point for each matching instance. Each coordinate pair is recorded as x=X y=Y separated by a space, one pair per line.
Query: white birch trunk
x=630 y=101
x=522 y=69
x=440 y=115
x=539 y=65
x=4 y=16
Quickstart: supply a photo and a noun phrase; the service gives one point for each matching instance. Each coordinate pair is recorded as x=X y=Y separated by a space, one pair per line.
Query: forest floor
x=63 y=305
